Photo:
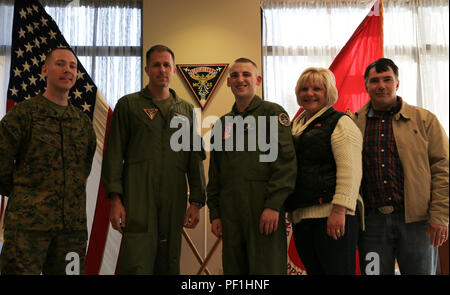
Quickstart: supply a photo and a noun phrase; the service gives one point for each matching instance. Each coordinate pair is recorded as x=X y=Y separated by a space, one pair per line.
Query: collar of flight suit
x=256 y=102
x=145 y=92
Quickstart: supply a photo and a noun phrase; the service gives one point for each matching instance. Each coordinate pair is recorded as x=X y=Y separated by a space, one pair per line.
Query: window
x=300 y=34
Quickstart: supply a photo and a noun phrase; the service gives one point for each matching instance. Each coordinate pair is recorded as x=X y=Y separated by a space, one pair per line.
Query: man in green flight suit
x=246 y=191
x=146 y=179
x=46 y=151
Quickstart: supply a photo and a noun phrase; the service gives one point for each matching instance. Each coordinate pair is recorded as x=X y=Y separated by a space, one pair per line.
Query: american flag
x=35 y=33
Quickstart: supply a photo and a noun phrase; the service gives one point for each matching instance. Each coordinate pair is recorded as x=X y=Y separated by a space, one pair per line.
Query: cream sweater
x=346 y=144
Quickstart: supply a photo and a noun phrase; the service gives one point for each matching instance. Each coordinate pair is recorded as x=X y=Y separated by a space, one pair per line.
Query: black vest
x=316 y=175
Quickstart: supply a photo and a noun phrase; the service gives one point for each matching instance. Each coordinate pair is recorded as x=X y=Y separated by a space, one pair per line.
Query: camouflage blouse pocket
x=45 y=130
x=44 y=148
x=47 y=139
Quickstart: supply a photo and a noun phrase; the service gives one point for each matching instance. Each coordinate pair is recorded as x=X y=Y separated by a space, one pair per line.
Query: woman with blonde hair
x=322 y=208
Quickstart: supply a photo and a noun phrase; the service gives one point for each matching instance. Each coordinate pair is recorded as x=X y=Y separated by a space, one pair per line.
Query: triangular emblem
x=151 y=113
x=202 y=79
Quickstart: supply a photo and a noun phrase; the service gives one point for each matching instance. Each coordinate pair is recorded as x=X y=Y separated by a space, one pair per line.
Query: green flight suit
x=241 y=186
x=140 y=165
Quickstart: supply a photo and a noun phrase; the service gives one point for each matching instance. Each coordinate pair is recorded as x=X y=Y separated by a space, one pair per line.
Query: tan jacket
x=423 y=148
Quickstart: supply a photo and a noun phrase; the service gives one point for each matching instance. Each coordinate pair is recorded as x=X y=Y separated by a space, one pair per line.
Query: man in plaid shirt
x=405 y=179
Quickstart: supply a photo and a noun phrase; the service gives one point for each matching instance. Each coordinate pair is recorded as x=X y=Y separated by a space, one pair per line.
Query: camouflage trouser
x=52 y=253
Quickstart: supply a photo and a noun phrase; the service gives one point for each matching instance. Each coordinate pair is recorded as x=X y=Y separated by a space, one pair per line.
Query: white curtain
x=416 y=37
x=301 y=33
x=105 y=34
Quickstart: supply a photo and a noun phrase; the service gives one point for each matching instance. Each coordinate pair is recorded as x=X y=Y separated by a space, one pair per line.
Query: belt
x=386 y=209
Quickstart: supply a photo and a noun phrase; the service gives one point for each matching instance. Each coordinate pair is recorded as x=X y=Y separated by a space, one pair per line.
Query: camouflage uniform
x=45 y=159
x=26 y=252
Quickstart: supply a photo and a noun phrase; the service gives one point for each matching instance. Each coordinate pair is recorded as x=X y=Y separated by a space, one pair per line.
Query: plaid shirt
x=382 y=182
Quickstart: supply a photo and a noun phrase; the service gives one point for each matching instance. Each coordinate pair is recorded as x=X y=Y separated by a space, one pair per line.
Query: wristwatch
x=198 y=204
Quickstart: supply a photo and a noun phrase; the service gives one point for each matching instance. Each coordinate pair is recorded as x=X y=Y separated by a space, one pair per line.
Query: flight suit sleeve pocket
x=256 y=169
x=286 y=150
x=259 y=172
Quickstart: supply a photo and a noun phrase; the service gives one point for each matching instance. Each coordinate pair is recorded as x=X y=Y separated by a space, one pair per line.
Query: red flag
x=364 y=47
x=34 y=34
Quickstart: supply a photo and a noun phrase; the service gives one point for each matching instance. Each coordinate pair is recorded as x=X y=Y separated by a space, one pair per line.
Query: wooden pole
x=195 y=251
x=208 y=257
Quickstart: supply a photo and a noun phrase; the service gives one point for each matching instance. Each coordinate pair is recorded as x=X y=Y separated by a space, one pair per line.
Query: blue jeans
x=387 y=237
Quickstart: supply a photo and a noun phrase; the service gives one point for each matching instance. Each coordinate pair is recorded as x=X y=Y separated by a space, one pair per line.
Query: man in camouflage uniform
x=46 y=151
x=245 y=193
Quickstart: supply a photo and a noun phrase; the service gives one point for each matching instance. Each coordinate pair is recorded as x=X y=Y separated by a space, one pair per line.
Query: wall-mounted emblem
x=202 y=79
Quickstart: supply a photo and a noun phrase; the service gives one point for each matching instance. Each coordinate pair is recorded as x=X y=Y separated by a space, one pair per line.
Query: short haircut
x=159 y=48
x=320 y=76
x=50 y=53
x=245 y=60
x=381 y=65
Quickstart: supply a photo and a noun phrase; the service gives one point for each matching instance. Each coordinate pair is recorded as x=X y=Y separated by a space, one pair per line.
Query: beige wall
x=204 y=31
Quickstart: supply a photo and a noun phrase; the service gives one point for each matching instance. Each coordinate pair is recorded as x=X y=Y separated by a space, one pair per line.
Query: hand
x=192 y=216
x=268 y=222
x=438 y=234
x=117 y=214
x=336 y=222
x=216 y=227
